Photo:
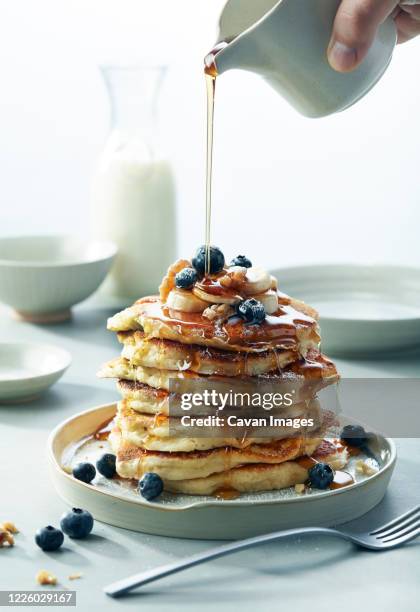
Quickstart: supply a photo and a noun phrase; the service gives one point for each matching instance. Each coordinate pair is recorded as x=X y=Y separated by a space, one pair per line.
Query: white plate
x=26 y=370
x=117 y=502
x=363 y=309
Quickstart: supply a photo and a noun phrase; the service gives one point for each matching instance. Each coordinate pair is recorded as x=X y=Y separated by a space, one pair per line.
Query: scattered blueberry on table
x=106 y=465
x=77 y=523
x=241 y=260
x=321 y=475
x=251 y=310
x=217 y=260
x=150 y=486
x=49 y=538
x=84 y=471
x=354 y=435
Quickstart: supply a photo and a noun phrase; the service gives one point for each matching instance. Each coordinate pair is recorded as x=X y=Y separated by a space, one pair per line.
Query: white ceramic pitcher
x=286 y=42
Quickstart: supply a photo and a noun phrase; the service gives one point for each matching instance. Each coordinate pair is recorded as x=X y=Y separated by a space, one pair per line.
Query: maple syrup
x=104 y=429
x=210 y=73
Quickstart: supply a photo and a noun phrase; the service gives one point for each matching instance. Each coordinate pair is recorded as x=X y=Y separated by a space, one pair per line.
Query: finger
x=408 y=27
x=354 y=30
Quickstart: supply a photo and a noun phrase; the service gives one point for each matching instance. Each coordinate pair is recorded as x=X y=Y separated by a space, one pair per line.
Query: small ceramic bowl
x=26 y=370
x=41 y=277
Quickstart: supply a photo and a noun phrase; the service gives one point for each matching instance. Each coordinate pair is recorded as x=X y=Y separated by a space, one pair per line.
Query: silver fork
x=399 y=531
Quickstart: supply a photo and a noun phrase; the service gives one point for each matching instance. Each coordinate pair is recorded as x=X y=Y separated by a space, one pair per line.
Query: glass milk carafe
x=133 y=190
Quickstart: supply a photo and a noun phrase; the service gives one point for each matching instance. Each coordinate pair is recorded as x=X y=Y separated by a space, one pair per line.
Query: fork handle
x=116 y=589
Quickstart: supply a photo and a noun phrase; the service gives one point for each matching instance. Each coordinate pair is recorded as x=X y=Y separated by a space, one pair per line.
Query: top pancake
x=293 y=327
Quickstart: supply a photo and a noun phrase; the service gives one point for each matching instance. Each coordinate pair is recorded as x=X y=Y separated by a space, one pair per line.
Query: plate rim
x=389 y=442
x=348 y=267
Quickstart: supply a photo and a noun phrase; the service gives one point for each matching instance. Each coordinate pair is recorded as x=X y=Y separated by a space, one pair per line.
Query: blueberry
x=354 y=435
x=251 y=310
x=217 y=260
x=242 y=261
x=150 y=486
x=49 y=538
x=321 y=475
x=84 y=471
x=106 y=465
x=77 y=523
x=186 y=278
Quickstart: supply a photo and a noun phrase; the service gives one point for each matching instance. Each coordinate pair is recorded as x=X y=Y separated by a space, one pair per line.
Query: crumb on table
x=75 y=576
x=45 y=577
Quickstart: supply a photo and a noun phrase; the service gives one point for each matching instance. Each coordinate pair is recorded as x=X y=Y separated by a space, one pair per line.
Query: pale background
x=294 y=190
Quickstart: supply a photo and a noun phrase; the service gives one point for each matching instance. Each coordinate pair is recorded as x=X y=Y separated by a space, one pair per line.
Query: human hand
x=356 y=24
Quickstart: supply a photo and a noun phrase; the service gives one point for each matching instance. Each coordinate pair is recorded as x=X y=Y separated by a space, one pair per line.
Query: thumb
x=354 y=30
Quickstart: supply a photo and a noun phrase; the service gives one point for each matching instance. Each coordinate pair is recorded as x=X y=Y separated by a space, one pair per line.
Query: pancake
x=133 y=462
x=143 y=398
x=167 y=434
x=290 y=328
x=171 y=355
x=256 y=478
x=305 y=376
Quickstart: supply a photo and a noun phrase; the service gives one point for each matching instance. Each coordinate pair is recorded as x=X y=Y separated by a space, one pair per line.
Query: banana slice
x=257 y=281
x=269 y=300
x=185 y=301
x=225 y=297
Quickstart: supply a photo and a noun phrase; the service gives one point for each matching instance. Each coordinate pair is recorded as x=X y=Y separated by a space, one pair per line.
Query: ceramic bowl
x=363 y=309
x=26 y=370
x=117 y=502
x=41 y=277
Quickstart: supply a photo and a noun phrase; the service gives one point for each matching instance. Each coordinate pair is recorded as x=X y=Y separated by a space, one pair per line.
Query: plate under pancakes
x=289 y=328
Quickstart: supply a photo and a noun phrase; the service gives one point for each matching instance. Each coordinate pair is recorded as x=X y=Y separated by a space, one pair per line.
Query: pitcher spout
x=238 y=54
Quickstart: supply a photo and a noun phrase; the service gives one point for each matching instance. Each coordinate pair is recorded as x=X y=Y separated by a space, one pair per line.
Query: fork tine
x=407 y=537
x=402 y=532
x=399 y=526
x=395 y=521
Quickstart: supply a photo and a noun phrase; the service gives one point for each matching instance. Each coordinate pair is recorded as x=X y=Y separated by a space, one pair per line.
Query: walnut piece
x=10 y=527
x=168 y=282
x=220 y=312
x=6 y=538
x=367 y=467
x=45 y=577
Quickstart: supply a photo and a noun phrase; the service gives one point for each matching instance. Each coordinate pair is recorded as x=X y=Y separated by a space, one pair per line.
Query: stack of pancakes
x=163 y=345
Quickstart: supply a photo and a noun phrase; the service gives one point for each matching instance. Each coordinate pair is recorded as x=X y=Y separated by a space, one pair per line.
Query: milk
x=133 y=204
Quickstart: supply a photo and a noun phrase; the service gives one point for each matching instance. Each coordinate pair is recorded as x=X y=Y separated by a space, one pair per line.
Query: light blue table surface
x=311 y=574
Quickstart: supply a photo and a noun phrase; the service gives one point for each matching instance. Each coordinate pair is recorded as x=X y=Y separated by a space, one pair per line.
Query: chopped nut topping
x=45 y=577
x=299 y=488
x=75 y=576
x=219 y=312
x=234 y=277
x=6 y=538
x=367 y=467
x=168 y=282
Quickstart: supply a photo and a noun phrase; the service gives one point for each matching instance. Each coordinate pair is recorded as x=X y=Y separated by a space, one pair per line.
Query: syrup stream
x=211 y=90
